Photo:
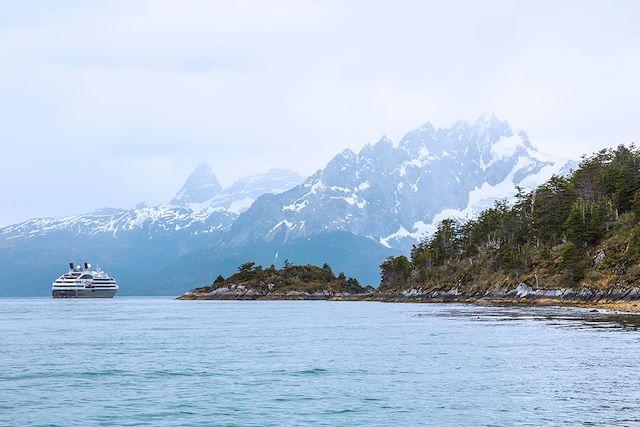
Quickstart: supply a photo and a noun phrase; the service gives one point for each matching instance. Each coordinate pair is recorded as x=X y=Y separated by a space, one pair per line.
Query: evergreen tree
x=395 y=271
x=571 y=262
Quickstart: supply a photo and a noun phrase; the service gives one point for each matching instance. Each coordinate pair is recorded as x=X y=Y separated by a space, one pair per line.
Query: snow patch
x=238 y=206
x=296 y=207
x=418 y=231
x=363 y=186
x=353 y=201
x=505 y=147
x=284 y=223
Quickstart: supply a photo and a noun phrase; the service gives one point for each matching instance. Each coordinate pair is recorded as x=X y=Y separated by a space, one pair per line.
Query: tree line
x=552 y=230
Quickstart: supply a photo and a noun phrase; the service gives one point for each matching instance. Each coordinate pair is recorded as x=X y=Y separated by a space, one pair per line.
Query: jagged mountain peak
x=427 y=127
x=384 y=145
x=384 y=140
x=396 y=194
x=347 y=153
x=487 y=117
x=202 y=171
x=383 y=149
x=202 y=185
x=481 y=137
x=489 y=121
x=345 y=157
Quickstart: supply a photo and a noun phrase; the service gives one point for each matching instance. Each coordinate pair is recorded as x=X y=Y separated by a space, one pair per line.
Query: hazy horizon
x=115 y=103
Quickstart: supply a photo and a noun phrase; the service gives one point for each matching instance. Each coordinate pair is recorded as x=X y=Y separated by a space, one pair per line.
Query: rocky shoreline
x=617 y=299
x=241 y=292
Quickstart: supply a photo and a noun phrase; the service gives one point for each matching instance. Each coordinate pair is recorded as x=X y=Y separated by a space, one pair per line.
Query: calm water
x=153 y=361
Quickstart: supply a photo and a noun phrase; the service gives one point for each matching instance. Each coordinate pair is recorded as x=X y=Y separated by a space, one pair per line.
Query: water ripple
x=150 y=361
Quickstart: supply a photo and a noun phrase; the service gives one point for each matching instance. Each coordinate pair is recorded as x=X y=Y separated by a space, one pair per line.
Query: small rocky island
x=291 y=282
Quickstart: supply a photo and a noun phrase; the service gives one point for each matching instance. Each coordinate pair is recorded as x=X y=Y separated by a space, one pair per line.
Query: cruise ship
x=83 y=282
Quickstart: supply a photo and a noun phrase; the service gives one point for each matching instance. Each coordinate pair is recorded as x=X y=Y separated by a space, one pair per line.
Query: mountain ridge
x=378 y=202
x=130 y=243
x=395 y=194
x=383 y=199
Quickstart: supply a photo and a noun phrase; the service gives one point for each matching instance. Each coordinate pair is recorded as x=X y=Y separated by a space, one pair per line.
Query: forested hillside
x=573 y=232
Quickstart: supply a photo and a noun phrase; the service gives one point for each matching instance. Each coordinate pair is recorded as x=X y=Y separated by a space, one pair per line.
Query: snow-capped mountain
x=202 y=185
x=133 y=242
x=239 y=196
x=150 y=221
x=201 y=207
x=357 y=210
x=395 y=194
x=364 y=207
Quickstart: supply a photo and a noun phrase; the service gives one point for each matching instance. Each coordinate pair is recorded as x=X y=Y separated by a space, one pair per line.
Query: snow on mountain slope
x=357 y=210
x=395 y=194
x=200 y=207
x=151 y=220
x=132 y=242
x=240 y=195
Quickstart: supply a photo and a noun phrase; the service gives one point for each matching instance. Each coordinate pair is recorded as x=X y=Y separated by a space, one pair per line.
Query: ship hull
x=84 y=293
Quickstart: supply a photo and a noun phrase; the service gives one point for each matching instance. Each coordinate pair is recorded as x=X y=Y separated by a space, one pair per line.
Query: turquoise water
x=155 y=361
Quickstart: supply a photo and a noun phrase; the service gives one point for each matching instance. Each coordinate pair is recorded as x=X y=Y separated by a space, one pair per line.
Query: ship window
x=87 y=276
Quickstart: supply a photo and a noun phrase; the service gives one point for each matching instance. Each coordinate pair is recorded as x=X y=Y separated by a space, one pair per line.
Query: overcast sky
x=111 y=103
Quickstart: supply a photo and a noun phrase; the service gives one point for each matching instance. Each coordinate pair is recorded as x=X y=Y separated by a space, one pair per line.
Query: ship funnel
x=71 y=266
x=86 y=265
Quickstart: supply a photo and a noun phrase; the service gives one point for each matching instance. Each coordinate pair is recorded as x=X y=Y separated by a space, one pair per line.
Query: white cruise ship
x=81 y=282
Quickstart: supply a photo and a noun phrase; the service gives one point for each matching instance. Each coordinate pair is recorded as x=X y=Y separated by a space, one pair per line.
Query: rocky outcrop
x=240 y=292
x=521 y=294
